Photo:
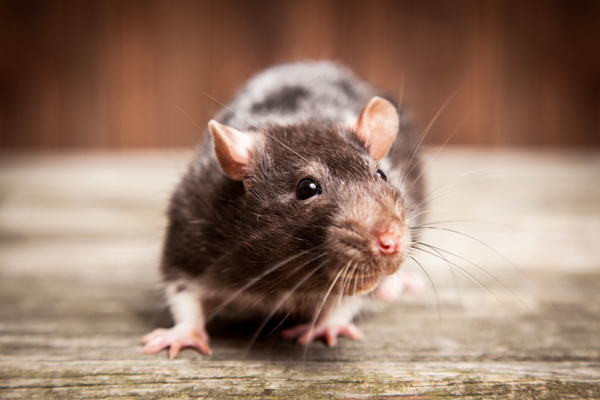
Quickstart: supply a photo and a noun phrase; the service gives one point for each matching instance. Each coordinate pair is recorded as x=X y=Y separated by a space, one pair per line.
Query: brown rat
x=295 y=205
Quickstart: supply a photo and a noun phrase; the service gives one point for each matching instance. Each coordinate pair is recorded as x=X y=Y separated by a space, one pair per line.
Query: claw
x=175 y=338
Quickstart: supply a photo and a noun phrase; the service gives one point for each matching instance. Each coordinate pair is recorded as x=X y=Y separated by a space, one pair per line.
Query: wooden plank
x=80 y=237
x=111 y=74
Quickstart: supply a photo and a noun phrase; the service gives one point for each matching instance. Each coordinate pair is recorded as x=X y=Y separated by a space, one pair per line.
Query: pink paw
x=393 y=286
x=176 y=338
x=328 y=334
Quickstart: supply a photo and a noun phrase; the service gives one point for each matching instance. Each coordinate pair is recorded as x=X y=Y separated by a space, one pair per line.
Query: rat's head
x=316 y=196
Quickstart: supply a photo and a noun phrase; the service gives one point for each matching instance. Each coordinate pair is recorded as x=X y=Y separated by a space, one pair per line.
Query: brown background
x=113 y=74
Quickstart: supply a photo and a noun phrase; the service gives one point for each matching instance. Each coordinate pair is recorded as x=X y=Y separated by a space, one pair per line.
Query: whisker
x=497 y=252
x=275 y=286
x=320 y=307
x=471 y=222
x=437 y=297
x=422 y=212
x=220 y=308
x=449 y=182
x=403 y=176
x=400 y=105
x=282 y=301
x=282 y=320
x=439 y=249
x=257 y=279
x=204 y=132
x=427 y=199
x=466 y=274
x=193 y=122
x=460 y=296
x=357 y=312
x=347 y=279
x=421 y=137
x=437 y=228
x=355 y=280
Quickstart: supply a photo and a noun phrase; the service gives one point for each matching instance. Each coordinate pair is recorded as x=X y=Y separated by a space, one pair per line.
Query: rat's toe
x=306 y=333
x=176 y=338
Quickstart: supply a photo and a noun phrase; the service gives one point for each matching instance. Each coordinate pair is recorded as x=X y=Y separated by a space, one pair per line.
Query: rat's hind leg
x=334 y=320
x=185 y=302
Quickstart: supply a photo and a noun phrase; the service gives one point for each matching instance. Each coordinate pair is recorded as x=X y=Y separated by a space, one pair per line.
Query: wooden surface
x=80 y=237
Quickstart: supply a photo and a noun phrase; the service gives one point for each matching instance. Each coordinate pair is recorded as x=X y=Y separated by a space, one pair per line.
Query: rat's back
x=298 y=93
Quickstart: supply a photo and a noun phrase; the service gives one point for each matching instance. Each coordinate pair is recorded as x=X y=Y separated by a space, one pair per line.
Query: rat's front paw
x=176 y=338
x=306 y=333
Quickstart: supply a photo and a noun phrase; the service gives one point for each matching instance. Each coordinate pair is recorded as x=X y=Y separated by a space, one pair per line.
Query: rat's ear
x=232 y=149
x=377 y=126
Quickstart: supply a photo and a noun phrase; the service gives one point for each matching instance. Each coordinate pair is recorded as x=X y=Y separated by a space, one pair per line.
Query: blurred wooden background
x=112 y=73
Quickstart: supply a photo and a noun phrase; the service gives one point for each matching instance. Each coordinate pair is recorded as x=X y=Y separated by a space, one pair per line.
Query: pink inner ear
x=232 y=149
x=377 y=126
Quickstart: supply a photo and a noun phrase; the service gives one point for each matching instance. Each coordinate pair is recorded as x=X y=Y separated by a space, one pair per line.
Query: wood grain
x=80 y=237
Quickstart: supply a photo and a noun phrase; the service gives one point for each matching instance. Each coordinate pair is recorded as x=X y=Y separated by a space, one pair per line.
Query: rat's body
x=287 y=209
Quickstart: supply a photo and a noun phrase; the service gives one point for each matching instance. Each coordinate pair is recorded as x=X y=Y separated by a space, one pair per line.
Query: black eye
x=381 y=175
x=307 y=188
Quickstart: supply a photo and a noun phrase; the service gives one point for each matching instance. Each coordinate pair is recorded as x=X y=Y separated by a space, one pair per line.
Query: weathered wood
x=80 y=238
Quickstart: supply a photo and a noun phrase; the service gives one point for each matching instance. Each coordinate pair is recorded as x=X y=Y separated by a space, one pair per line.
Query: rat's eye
x=381 y=175
x=307 y=188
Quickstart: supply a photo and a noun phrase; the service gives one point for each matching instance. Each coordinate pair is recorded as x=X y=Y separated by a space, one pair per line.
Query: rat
x=298 y=204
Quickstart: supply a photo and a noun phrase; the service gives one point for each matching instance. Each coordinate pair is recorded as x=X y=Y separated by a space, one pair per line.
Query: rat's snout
x=389 y=242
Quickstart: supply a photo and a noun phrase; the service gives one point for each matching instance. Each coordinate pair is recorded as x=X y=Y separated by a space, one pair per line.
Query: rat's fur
x=252 y=241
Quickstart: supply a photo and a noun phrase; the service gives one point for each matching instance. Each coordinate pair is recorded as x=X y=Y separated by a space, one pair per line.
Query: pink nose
x=389 y=241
